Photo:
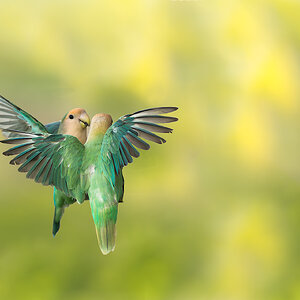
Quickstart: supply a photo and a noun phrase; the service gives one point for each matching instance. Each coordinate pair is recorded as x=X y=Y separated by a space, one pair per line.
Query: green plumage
x=93 y=169
x=104 y=197
x=61 y=202
x=15 y=119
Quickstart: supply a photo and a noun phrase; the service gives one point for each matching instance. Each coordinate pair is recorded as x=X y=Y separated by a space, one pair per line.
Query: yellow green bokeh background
x=214 y=213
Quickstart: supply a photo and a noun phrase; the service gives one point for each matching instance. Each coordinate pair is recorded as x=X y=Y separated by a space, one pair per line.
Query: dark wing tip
x=152 y=111
x=12 y=162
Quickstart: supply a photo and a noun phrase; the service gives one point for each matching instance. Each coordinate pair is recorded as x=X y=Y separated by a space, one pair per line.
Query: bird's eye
x=71 y=117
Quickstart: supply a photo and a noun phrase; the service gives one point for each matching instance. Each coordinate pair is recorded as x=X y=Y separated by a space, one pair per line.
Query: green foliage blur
x=214 y=213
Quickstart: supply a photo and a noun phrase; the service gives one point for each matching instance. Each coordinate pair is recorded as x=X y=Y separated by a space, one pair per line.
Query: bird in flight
x=92 y=170
x=13 y=120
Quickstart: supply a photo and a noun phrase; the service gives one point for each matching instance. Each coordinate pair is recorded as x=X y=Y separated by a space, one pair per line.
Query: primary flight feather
x=95 y=168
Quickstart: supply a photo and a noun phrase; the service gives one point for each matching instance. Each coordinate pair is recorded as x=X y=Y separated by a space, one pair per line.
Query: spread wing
x=49 y=159
x=121 y=139
x=14 y=118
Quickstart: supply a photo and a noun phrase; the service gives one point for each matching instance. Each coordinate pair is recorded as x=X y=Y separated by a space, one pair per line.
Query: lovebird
x=74 y=123
x=92 y=170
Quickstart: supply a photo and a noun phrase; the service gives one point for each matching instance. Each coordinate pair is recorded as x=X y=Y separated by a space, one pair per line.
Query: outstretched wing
x=122 y=138
x=49 y=159
x=14 y=118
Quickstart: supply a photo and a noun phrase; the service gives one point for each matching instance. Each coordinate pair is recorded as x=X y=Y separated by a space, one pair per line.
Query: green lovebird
x=14 y=120
x=92 y=170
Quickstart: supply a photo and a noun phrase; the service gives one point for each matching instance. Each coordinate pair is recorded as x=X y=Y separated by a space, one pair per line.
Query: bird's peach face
x=77 y=117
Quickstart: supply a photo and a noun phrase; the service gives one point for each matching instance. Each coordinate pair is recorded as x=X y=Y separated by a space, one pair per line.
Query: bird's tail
x=105 y=218
x=55 y=227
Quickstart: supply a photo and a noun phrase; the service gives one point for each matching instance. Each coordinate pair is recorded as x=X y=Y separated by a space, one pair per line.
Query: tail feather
x=105 y=219
x=56 y=227
x=58 y=213
x=107 y=237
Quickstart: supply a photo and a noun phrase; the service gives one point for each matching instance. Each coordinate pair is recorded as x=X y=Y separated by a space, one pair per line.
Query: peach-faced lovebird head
x=75 y=123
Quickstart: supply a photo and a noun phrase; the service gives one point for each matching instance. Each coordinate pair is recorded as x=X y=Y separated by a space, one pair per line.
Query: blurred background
x=214 y=213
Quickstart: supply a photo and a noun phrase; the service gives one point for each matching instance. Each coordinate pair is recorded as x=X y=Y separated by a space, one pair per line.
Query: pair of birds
x=82 y=164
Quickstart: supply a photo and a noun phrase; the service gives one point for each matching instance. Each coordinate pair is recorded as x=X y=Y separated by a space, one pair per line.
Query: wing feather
x=151 y=127
x=120 y=140
x=152 y=111
x=148 y=135
x=13 y=117
x=136 y=141
x=51 y=160
x=155 y=119
x=21 y=158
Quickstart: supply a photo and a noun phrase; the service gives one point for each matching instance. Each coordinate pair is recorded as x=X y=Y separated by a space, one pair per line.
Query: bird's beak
x=84 y=123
